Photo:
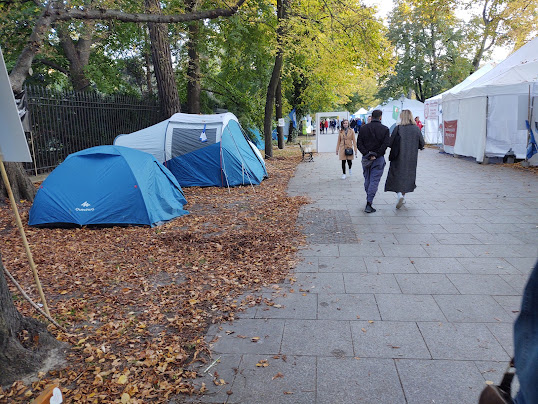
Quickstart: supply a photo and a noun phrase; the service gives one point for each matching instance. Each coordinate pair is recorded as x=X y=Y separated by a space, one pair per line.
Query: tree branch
x=55 y=66
x=102 y=14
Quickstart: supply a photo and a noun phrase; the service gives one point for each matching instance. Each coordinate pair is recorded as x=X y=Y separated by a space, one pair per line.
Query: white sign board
x=13 y=145
x=431 y=110
x=281 y=122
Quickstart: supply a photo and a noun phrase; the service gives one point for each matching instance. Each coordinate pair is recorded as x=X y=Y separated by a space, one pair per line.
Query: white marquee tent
x=487 y=118
x=416 y=107
x=433 y=113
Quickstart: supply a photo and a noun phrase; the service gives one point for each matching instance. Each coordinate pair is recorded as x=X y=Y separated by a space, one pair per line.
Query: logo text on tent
x=86 y=207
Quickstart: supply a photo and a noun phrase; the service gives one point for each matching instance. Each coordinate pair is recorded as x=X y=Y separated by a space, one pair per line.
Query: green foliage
x=429 y=43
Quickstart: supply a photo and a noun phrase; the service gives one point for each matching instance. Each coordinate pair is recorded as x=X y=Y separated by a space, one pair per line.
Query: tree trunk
x=25 y=342
x=278 y=110
x=21 y=185
x=275 y=78
x=162 y=63
x=194 y=87
x=78 y=54
x=24 y=62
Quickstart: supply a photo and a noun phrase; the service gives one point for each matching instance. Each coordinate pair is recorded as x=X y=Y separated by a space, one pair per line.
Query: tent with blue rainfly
x=108 y=185
x=201 y=150
x=259 y=140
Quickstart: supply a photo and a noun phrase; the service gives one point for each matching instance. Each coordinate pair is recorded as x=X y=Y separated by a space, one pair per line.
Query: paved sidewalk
x=400 y=306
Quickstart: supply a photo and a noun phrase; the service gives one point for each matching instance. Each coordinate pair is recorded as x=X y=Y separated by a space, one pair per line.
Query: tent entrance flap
x=187 y=140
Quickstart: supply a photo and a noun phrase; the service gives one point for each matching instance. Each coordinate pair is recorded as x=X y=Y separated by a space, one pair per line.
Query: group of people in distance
x=325 y=124
x=372 y=141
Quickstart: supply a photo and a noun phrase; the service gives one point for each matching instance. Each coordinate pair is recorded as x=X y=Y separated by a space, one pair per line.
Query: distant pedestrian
x=369 y=118
x=321 y=126
x=326 y=126
x=418 y=123
x=405 y=141
x=346 y=147
x=372 y=142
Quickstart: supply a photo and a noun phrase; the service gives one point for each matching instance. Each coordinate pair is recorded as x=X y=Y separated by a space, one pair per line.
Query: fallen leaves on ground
x=137 y=301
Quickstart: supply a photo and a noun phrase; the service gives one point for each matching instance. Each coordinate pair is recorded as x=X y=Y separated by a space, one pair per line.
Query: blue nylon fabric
x=200 y=168
x=259 y=142
x=108 y=185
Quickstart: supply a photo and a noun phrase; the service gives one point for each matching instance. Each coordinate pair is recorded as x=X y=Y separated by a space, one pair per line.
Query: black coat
x=373 y=137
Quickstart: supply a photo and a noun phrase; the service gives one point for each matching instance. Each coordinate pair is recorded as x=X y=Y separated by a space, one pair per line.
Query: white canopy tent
x=433 y=113
x=416 y=107
x=487 y=118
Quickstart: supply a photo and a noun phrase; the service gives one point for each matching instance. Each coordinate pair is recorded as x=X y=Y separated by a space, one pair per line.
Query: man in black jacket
x=372 y=141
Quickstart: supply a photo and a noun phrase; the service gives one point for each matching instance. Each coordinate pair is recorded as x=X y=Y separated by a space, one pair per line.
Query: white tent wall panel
x=506 y=125
x=432 y=135
x=471 y=133
x=450 y=113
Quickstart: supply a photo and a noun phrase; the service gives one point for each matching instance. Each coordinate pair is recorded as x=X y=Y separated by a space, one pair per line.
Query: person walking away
x=326 y=126
x=405 y=141
x=372 y=142
x=346 y=147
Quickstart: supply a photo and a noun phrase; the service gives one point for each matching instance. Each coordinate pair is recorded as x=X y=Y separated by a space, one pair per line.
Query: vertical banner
x=395 y=112
x=13 y=144
x=451 y=130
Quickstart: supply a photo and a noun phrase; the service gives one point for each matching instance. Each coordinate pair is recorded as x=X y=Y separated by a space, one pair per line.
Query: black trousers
x=349 y=164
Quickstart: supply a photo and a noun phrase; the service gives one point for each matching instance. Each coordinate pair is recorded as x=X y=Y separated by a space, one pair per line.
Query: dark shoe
x=369 y=209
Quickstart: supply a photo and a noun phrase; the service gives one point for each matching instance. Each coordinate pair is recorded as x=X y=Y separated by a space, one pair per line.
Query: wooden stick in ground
x=35 y=306
x=23 y=235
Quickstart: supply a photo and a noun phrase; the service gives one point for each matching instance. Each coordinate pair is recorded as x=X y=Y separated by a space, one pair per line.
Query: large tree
x=499 y=23
x=25 y=343
x=429 y=43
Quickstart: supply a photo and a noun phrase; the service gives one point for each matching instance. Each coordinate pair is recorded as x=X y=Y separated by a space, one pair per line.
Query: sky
x=385 y=6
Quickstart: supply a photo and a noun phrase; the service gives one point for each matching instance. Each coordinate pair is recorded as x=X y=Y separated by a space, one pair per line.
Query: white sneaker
x=350 y=172
x=343 y=176
x=401 y=200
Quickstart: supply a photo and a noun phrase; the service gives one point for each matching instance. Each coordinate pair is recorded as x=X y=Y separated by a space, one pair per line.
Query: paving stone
x=426 y=228
x=389 y=265
x=472 y=284
x=390 y=228
x=327 y=226
x=512 y=304
x=425 y=284
x=504 y=334
x=524 y=265
x=488 y=266
x=435 y=219
x=224 y=369
x=488 y=238
x=394 y=307
x=286 y=379
x=448 y=251
x=292 y=305
x=504 y=251
x=308 y=264
x=493 y=371
x=370 y=283
x=472 y=308
x=317 y=337
x=360 y=250
x=347 y=307
x=403 y=250
x=341 y=264
x=437 y=265
x=458 y=239
x=321 y=282
x=369 y=237
x=518 y=282
x=319 y=250
x=416 y=238
x=231 y=341
x=350 y=380
x=440 y=381
x=463 y=228
x=441 y=212
x=461 y=341
x=388 y=339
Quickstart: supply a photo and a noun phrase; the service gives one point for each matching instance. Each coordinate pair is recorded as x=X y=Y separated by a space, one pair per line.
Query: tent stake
x=23 y=234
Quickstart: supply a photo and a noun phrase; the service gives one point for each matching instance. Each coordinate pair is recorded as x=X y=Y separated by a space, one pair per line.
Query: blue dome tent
x=201 y=150
x=108 y=185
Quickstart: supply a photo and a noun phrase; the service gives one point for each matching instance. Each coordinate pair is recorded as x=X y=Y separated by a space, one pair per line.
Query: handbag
x=501 y=394
x=395 y=144
x=348 y=151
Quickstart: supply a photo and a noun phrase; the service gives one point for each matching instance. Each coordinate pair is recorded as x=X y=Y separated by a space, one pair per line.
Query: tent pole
x=529 y=117
x=23 y=234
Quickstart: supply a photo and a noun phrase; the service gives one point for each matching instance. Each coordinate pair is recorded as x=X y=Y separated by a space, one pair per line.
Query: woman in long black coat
x=405 y=141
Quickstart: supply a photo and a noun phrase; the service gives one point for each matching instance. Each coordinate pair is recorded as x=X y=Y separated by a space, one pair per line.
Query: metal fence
x=64 y=122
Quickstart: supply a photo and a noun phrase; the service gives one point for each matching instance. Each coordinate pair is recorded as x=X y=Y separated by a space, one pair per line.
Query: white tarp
x=433 y=111
x=506 y=90
x=416 y=108
x=13 y=144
